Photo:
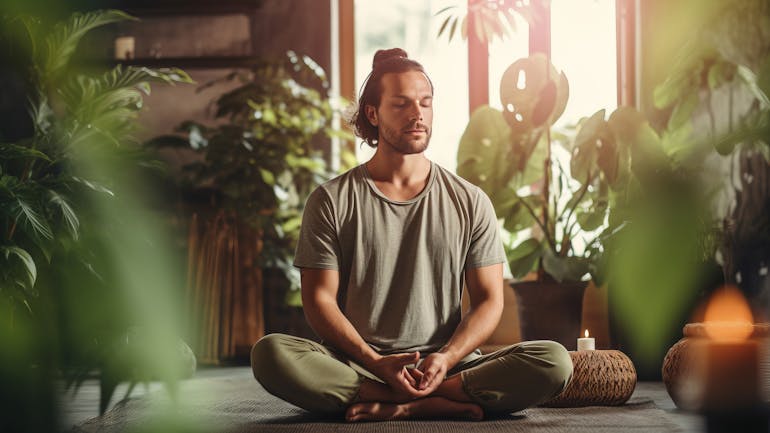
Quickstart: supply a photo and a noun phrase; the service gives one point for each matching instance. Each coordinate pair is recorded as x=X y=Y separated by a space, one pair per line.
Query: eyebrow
x=407 y=97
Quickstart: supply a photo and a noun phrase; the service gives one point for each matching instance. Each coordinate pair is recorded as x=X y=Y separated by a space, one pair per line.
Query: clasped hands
x=412 y=382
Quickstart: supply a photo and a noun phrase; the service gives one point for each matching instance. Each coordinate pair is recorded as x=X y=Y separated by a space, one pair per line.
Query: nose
x=416 y=112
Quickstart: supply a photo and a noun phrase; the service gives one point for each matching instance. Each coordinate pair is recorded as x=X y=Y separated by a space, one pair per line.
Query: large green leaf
x=763 y=77
x=585 y=150
x=118 y=87
x=533 y=93
x=756 y=128
x=27 y=214
x=523 y=258
x=25 y=258
x=564 y=268
x=752 y=82
x=93 y=185
x=483 y=155
x=593 y=216
x=522 y=212
x=634 y=133
x=9 y=151
x=70 y=218
x=685 y=75
x=64 y=39
x=683 y=110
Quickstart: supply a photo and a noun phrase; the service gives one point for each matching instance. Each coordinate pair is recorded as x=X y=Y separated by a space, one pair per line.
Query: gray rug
x=239 y=404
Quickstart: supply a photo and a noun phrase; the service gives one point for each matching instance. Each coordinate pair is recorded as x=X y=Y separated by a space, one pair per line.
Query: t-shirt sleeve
x=318 y=245
x=486 y=247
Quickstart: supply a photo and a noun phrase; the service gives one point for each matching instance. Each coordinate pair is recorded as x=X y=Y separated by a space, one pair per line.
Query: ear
x=371 y=115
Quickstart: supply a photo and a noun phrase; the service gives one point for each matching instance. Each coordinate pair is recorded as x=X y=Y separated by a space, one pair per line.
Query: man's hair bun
x=382 y=56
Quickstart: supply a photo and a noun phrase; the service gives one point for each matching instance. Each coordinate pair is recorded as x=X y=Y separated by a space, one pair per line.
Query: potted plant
x=553 y=192
x=251 y=173
x=63 y=198
x=717 y=95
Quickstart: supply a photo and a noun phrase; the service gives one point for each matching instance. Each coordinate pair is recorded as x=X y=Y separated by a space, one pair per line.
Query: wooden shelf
x=223 y=62
x=143 y=8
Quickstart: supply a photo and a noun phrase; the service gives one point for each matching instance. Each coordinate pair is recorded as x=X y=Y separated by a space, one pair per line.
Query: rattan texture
x=680 y=359
x=599 y=378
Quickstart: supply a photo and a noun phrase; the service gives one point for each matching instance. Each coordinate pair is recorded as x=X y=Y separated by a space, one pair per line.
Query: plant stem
x=567 y=227
x=539 y=223
x=12 y=230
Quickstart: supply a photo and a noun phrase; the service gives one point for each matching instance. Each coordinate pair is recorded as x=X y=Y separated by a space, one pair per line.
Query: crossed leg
x=377 y=402
x=311 y=376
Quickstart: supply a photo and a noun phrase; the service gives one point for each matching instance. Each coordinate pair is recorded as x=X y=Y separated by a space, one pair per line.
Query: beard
x=403 y=143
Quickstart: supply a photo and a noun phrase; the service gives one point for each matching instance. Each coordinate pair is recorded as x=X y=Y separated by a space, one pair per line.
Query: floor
x=84 y=405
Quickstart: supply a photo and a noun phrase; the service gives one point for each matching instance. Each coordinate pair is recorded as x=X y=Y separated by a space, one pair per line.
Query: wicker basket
x=599 y=378
x=679 y=358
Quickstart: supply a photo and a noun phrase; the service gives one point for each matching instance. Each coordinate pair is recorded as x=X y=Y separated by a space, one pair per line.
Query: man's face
x=405 y=115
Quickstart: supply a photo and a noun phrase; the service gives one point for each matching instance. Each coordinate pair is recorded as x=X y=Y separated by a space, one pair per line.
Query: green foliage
x=724 y=73
x=490 y=18
x=726 y=55
x=506 y=152
x=260 y=163
x=716 y=112
x=64 y=202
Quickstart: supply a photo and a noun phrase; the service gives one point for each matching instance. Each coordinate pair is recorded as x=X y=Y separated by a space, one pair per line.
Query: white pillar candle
x=586 y=343
x=124 y=48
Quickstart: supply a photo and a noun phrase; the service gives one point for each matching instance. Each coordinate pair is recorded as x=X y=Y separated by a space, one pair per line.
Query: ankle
x=452 y=389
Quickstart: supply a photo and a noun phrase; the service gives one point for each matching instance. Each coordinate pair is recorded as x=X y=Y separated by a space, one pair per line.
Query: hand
x=392 y=369
x=433 y=368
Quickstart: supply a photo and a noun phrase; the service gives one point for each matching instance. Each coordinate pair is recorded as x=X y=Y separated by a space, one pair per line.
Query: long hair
x=394 y=60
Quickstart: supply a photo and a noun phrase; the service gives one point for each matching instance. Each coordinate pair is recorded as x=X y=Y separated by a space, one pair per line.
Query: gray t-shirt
x=401 y=263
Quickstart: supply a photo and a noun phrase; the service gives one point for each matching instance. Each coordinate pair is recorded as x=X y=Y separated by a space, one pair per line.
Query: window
x=583 y=46
x=582 y=38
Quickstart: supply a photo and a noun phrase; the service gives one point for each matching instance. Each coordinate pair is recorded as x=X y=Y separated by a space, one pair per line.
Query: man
x=383 y=251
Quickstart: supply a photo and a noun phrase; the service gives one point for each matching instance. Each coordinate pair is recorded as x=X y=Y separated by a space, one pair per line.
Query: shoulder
x=458 y=186
x=333 y=189
x=342 y=181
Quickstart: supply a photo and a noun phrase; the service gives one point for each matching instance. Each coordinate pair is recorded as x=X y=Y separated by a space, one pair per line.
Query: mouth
x=415 y=131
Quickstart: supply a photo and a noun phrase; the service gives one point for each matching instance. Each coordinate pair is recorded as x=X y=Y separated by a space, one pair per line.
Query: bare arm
x=319 y=301
x=485 y=290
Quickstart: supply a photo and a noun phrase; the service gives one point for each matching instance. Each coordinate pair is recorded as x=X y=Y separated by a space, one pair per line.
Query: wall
x=279 y=25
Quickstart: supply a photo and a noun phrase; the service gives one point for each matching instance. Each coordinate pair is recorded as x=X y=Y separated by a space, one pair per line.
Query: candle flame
x=586 y=333
x=728 y=316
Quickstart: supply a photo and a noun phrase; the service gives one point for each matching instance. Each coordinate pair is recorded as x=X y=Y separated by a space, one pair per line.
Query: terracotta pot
x=550 y=310
x=680 y=358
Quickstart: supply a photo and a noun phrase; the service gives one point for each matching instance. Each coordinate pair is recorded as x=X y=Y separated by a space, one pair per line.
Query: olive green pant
x=319 y=379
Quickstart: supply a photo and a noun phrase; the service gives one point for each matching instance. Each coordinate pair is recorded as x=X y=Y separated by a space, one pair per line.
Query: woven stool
x=599 y=378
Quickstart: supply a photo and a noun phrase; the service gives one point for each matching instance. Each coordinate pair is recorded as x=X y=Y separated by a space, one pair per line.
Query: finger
x=426 y=379
x=402 y=386
x=415 y=373
x=409 y=378
x=408 y=358
x=429 y=378
x=424 y=382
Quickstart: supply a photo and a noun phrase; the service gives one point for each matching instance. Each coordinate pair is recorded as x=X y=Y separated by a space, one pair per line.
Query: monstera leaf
x=633 y=132
x=484 y=152
x=533 y=93
x=489 y=157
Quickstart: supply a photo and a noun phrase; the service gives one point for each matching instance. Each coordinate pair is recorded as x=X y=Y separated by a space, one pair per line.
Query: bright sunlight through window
x=582 y=45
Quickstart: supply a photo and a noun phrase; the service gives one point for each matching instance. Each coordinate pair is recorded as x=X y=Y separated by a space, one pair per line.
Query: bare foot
x=431 y=407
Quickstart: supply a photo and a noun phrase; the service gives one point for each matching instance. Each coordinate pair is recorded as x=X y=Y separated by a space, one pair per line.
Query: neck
x=397 y=168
